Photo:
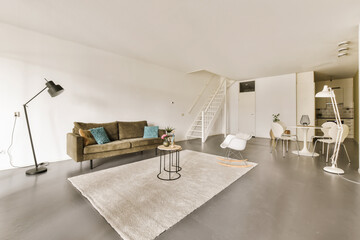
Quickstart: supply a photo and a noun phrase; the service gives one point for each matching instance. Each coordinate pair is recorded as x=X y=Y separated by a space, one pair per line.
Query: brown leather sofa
x=126 y=137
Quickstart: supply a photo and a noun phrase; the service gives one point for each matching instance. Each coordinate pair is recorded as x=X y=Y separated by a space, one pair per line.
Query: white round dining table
x=305 y=151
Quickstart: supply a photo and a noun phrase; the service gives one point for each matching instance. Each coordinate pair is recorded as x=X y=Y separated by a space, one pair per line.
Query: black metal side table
x=173 y=166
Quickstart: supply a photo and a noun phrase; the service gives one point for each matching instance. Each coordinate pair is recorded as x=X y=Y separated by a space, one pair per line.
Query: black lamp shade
x=54 y=89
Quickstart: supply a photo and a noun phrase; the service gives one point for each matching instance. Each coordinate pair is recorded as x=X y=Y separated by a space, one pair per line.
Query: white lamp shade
x=325 y=93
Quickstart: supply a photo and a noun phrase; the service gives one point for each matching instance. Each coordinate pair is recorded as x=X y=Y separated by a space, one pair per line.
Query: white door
x=246 y=112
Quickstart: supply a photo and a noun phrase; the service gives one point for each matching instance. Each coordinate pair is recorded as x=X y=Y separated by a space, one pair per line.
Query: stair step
x=213 y=106
x=195 y=133
x=215 y=99
x=193 y=137
x=214 y=102
x=220 y=97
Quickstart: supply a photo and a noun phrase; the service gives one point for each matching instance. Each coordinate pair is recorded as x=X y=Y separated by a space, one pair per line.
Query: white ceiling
x=240 y=39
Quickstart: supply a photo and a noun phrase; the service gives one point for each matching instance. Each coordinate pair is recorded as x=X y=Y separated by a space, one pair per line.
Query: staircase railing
x=208 y=115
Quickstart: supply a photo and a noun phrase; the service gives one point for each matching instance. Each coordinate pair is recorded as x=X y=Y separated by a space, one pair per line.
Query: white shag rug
x=140 y=206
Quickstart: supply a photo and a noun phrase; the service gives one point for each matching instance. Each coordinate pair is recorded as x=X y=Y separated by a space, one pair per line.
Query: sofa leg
x=142 y=152
x=155 y=151
x=91 y=164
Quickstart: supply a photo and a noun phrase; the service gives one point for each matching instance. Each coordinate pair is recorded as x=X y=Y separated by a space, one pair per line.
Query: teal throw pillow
x=100 y=135
x=151 y=132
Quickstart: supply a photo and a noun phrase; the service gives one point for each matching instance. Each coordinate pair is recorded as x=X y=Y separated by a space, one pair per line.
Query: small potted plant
x=276 y=117
x=169 y=129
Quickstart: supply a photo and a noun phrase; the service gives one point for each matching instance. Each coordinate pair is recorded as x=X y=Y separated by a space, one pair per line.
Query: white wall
x=275 y=95
x=233 y=109
x=99 y=87
x=305 y=100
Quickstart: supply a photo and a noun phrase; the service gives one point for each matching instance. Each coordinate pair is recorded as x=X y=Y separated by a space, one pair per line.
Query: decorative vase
x=173 y=140
x=166 y=143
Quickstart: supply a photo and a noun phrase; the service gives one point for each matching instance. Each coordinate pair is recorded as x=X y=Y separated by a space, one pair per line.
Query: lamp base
x=334 y=170
x=37 y=170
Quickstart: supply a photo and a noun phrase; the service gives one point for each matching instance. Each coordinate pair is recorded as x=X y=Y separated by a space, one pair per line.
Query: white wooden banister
x=217 y=90
x=206 y=118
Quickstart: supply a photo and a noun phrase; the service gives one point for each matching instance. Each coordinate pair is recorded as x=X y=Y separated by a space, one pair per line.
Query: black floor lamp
x=53 y=90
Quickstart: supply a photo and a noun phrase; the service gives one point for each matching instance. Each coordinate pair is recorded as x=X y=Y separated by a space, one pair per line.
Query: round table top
x=170 y=148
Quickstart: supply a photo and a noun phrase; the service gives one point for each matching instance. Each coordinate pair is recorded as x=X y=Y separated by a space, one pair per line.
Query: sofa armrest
x=75 y=147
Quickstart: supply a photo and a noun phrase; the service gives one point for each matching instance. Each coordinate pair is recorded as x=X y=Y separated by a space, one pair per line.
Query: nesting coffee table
x=173 y=166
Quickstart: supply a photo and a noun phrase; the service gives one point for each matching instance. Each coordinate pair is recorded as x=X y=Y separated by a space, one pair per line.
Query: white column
x=305 y=101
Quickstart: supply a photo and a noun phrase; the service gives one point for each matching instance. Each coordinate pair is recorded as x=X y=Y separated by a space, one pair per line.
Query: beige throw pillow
x=88 y=137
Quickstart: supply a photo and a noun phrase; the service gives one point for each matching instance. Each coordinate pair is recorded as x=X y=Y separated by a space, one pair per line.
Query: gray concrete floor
x=282 y=198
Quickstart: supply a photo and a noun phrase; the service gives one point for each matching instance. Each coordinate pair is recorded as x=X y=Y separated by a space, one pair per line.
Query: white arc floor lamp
x=327 y=92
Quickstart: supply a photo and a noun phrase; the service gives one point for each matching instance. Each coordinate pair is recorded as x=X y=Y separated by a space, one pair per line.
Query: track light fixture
x=342 y=54
x=343 y=43
x=343 y=48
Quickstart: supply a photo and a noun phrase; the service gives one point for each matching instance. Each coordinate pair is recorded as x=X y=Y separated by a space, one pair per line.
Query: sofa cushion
x=151 y=132
x=111 y=146
x=100 y=135
x=131 y=129
x=88 y=137
x=138 y=142
x=161 y=132
x=111 y=128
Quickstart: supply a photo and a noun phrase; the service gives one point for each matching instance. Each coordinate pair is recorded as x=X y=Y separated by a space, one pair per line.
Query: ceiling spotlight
x=344 y=43
x=343 y=49
x=342 y=54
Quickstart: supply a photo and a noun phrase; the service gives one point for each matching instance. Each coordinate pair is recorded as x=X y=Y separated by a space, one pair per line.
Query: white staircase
x=206 y=118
